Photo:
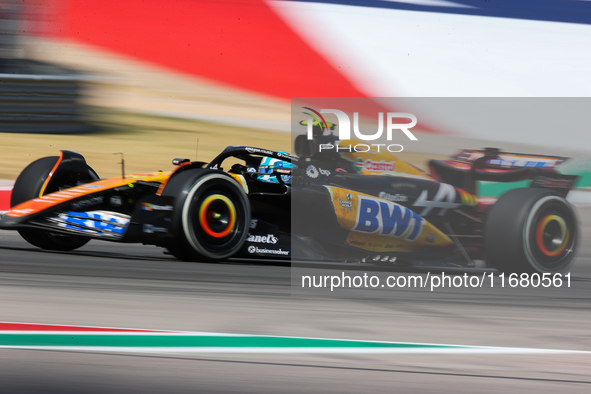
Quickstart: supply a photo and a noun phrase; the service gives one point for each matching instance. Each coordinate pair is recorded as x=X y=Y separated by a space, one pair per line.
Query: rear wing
x=510 y=160
x=492 y=165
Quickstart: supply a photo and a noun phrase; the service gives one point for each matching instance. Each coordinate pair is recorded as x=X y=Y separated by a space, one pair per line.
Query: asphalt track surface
x=134 y=286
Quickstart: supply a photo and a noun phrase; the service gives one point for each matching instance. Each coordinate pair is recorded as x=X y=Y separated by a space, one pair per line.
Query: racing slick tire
x=28 y=186
x=531 y=230
x=211 y=217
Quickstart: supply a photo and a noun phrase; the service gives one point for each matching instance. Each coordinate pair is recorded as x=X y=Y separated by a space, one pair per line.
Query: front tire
x=531 y=230
x=212 y=216
x=28 y=186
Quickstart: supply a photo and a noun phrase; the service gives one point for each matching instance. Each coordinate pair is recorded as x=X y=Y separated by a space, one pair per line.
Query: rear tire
x=531 y=230
x=212 y=216
x=27 y=187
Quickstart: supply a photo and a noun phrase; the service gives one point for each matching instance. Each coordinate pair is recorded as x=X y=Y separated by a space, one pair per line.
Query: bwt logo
x=345 y=129
x=387 y=218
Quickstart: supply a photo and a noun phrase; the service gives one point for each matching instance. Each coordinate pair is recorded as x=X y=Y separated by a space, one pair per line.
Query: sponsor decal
x=371 y=165
x=345 y=216
x=393 y=197
x=443 y=200
x=253 y=223
x=313 y=172
x=255 y=249
x=286 y=156
x=258 y=150
x=382 y=226
x=151 y=229
x=146 y=206
x=263 y=239
x=359 y=164
x=116 y=201
x=357 y=243
x=273 y=171
x=512 y=159
x=522 y=163
x=347 y=204
x=386 y=218
x=95 y=222
x=87 y=203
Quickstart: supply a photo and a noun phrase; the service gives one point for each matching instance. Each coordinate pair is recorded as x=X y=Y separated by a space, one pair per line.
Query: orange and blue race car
x=351 y=206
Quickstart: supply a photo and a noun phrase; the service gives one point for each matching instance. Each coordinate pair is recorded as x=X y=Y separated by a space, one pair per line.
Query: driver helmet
x=273 y=166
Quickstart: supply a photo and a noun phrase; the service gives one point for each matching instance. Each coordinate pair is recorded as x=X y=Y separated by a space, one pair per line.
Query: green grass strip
x=193 y=341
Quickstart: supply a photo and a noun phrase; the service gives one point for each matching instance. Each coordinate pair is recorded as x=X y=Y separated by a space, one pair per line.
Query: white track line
x=317 y=350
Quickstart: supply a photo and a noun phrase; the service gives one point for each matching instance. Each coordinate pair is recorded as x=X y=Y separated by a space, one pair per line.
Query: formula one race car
x=370 y=207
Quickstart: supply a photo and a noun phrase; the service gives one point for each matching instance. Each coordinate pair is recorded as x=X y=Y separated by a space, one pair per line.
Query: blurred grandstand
x=35 y=96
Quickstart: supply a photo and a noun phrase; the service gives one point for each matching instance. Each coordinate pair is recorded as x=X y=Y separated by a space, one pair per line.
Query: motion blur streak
x=241 y=43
